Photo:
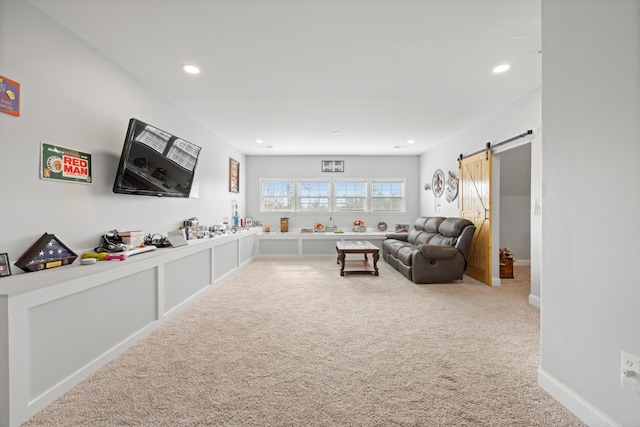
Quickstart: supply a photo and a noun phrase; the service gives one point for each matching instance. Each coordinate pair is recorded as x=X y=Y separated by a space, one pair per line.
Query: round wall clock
x=437 y=184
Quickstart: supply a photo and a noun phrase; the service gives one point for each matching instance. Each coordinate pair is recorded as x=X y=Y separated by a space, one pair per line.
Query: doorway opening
x=511 y=203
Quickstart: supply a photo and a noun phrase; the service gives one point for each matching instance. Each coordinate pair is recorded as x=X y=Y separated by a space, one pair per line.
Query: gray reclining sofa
x=434 y=251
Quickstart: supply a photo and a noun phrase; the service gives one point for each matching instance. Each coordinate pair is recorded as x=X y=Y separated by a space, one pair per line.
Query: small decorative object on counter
x=47 y=252
x=236 y=218
x=284 y=225
x=318 y=228
x=359 y=226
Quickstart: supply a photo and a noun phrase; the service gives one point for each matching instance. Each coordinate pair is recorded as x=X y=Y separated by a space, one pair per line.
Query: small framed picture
x=332 y=166
x=248 y=221
x=5 y=266
x=402 y=228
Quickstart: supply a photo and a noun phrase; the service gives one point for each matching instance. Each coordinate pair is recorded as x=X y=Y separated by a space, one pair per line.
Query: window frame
x=402 y=197
x=298 y=196
x=364 y=198
x=286 y=181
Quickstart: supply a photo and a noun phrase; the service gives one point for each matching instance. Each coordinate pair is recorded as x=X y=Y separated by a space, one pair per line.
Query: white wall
x=590 y=201
x=74 y=97
x=515 y=201
x=512 y=120
x=515 y=225
x=406 y=167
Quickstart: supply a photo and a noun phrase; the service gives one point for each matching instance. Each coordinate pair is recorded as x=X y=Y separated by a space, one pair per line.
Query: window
x=387 y=195
x=277 y=195
x=350 y=196
x=314 y=196
x=360 y=195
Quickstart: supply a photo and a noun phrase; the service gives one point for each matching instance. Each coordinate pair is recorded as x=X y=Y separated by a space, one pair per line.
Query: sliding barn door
x=475 y=205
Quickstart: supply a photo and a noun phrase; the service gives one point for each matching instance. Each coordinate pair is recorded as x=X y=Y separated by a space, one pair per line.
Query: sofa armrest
x=438 y=252
x=398 y=236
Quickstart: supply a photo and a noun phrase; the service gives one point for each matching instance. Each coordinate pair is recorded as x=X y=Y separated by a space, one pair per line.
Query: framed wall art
x=234 y=176
x=9 y=97
x=332 y=166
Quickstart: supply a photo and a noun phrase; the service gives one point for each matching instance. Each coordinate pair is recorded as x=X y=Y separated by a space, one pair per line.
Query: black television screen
x=155 y=163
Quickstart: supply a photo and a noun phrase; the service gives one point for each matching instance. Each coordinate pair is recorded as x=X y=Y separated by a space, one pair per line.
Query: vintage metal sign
x=65 y=164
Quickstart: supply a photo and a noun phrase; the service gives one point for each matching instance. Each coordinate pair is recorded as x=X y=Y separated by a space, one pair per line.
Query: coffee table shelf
x=358 y=265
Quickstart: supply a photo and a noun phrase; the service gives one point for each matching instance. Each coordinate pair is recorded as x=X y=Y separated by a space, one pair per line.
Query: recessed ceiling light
x=191 y=69
x=336 y=132
x=411 y=141
x=501 y=68
x=259 y=141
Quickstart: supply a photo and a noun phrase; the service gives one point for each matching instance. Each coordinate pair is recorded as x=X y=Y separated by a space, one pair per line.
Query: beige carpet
x=288 y=342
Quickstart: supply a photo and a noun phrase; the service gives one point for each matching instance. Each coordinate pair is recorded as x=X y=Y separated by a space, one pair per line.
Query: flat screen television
x=155 y=163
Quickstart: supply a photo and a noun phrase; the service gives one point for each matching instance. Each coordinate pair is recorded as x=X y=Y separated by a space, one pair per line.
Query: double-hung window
x=277 y=195
x=350 y=196
x=314 y=196
x=387 y=195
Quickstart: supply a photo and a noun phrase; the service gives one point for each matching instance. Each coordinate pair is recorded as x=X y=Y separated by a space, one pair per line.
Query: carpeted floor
x=288 y=342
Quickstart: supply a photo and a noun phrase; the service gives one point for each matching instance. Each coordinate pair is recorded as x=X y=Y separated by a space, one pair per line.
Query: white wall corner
x=575 y=403
x=495 y=281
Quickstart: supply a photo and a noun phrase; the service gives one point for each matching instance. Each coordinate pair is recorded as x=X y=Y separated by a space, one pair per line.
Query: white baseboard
x=575 y=403
x=522 y=262
x=534 y=300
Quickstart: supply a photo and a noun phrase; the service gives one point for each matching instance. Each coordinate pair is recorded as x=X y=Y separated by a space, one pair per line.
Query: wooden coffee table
x=361 y=265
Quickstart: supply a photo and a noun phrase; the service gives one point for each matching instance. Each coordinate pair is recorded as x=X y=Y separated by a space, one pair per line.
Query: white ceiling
x=294 y=72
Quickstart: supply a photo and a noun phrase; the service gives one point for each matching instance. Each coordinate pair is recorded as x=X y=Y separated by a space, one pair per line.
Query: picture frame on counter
x=5 y=265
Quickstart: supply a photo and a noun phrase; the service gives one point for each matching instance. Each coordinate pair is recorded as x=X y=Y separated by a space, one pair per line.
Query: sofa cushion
x=425 y=238
x=452 y=227
x=420 y=223
x=432 y=225
x=441 y=240
x=392 y=247
x=405 y=253
x=414 y=235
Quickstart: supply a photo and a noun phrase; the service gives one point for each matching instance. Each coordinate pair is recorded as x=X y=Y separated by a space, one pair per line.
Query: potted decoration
x=359 y=226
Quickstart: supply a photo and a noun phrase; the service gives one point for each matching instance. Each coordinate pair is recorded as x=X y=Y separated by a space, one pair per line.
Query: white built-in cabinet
x=58 y=326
